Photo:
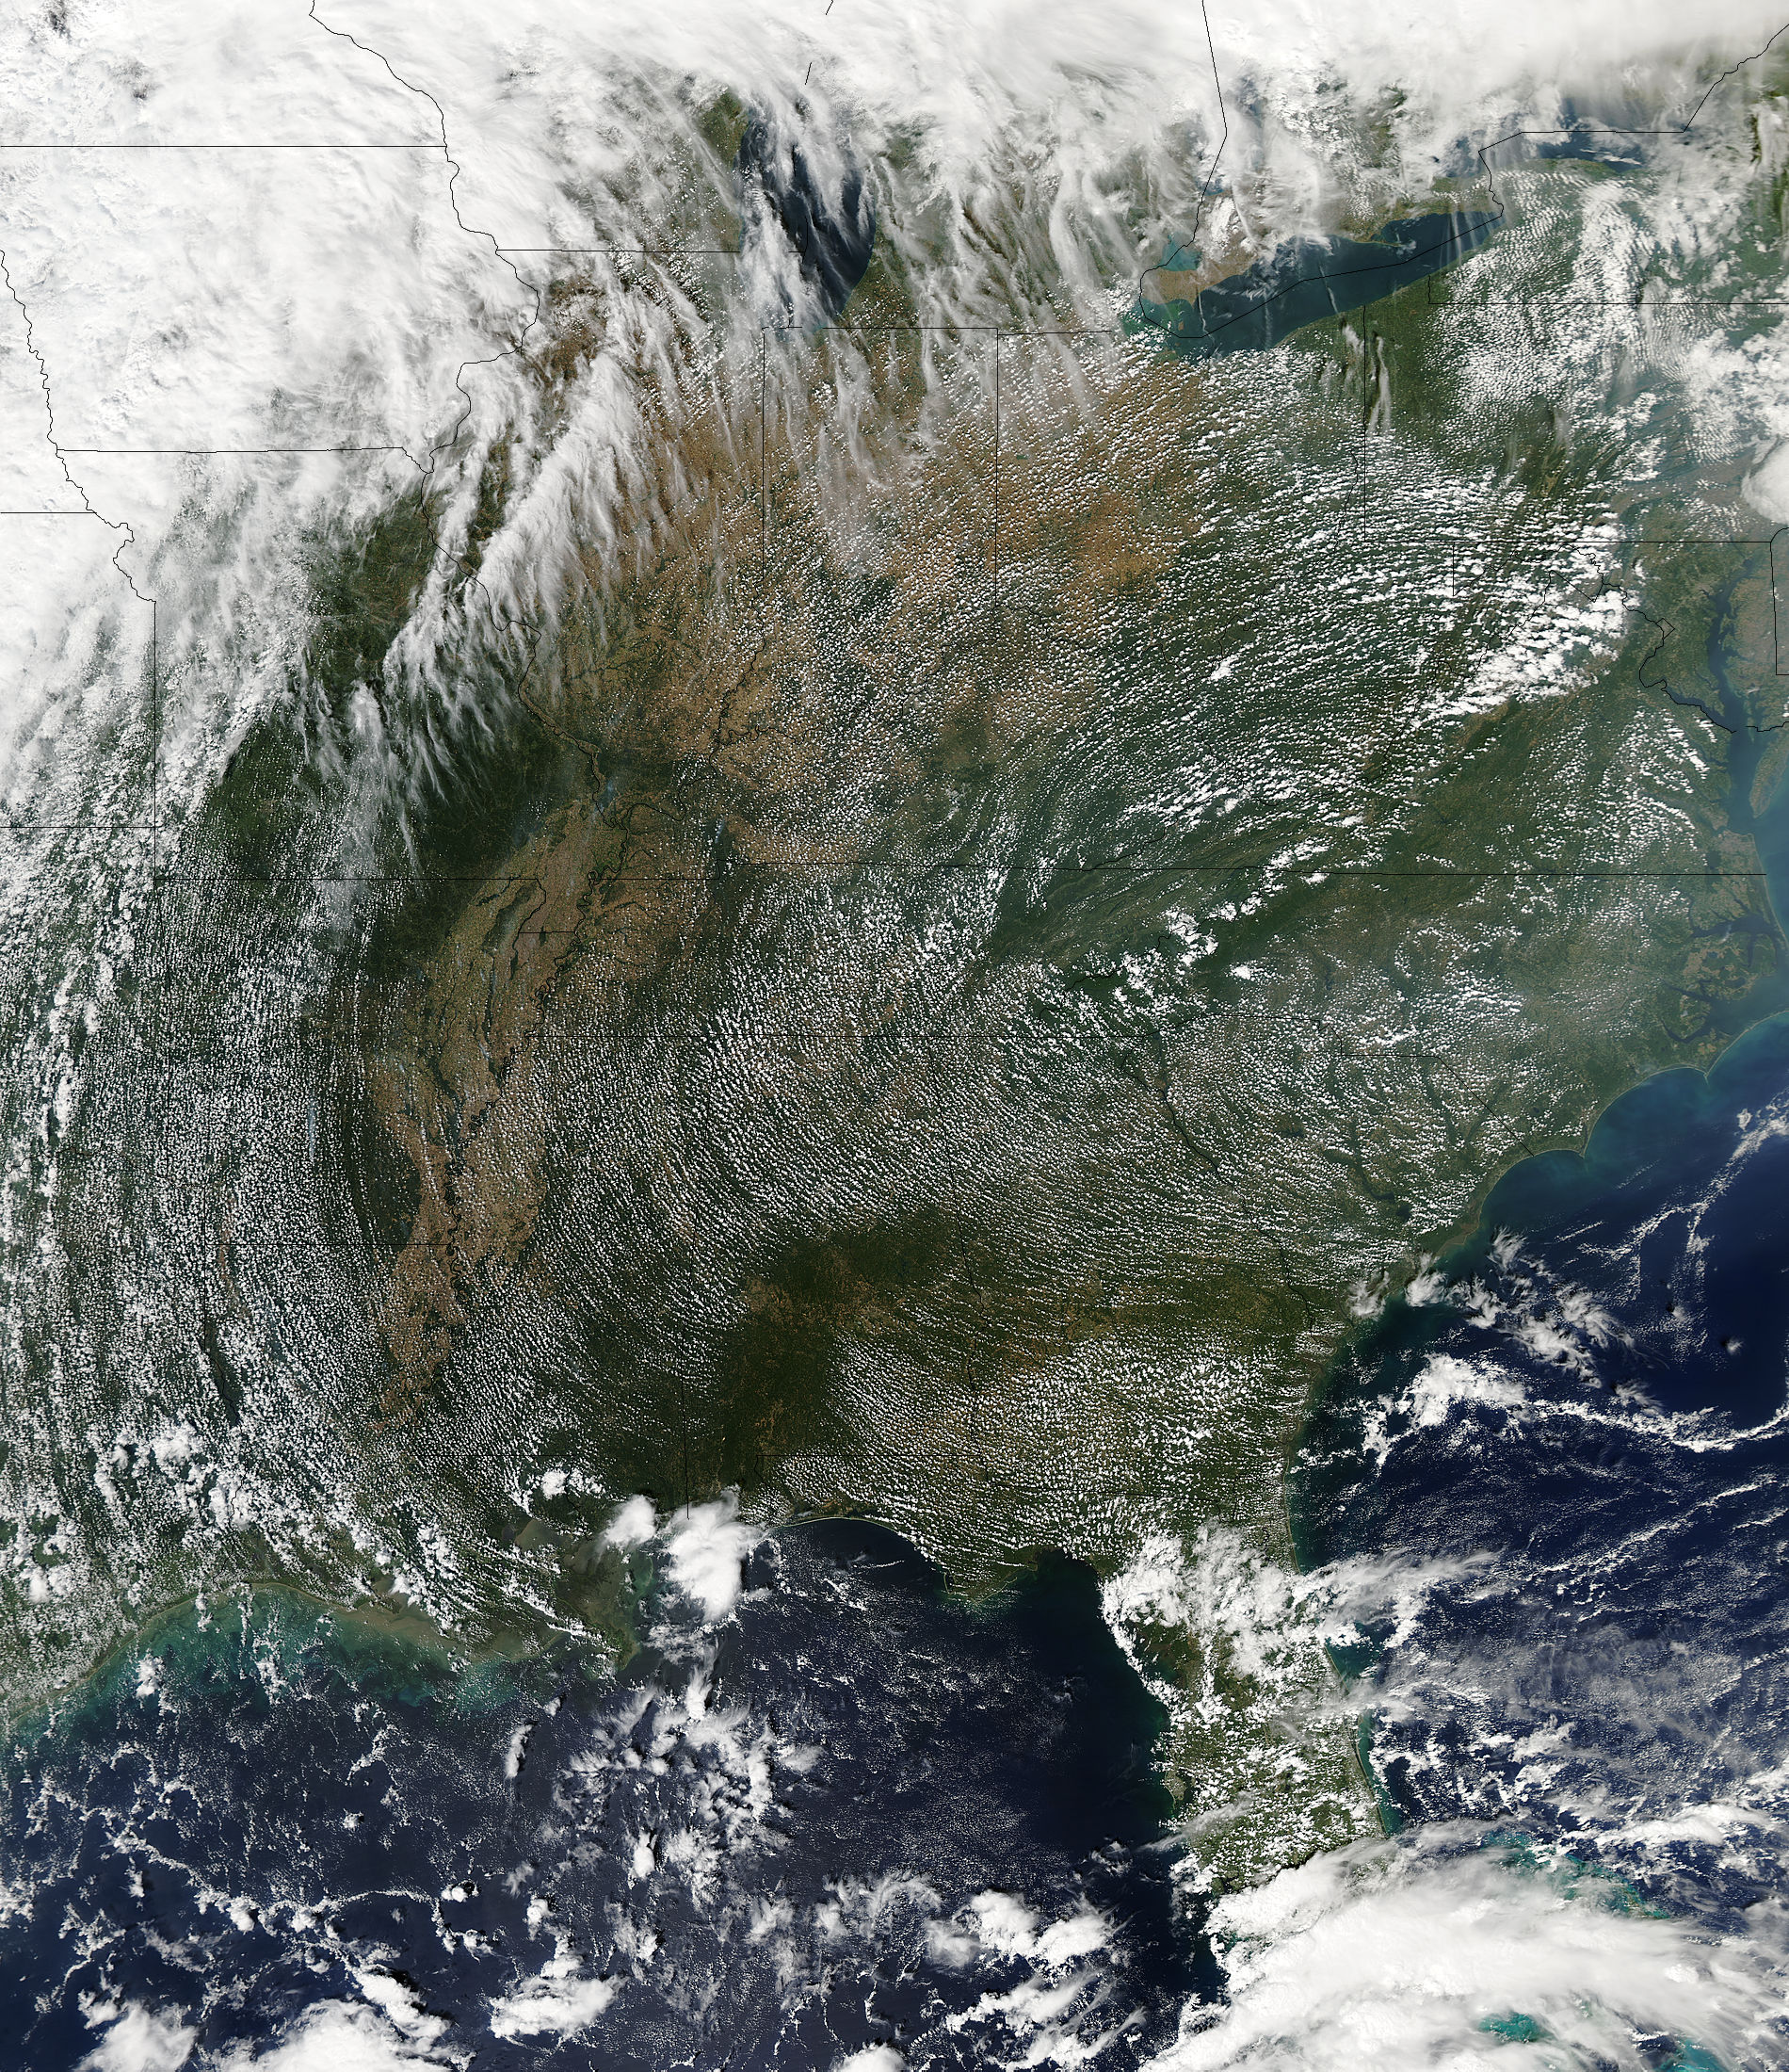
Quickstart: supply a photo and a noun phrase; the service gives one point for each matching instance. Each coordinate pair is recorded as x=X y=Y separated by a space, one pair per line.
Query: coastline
x=1550 y=1180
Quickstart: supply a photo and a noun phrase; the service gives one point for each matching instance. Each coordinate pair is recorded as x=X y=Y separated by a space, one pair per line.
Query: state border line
x=1001 y=333
x=206 y=452
x=1308 y=867
x=646 y=252
x=154 y=827
x=1679 y=133
x=13 y=825
x=182 y=144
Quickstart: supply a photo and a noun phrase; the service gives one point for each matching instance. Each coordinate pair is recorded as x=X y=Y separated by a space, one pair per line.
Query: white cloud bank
x=335 y=279
x=1407 y=1957
x=558 y=2002
x=333 y=2036
x=139 y=2039
x=706 y=1545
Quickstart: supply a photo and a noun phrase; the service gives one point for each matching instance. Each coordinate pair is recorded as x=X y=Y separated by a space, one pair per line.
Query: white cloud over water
x=355 y=295
x=879 y=2057
x=558 y=2002
x=139 y=2039
x=333 y=2036
x=706 y=1547
x=1441 y=1953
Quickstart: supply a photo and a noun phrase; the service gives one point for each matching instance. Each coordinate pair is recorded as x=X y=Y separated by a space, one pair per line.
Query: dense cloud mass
x=771 y=762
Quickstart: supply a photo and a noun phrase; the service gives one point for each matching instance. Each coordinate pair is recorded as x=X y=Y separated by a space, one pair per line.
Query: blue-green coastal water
x=1306 y=281
x=855 y=1817
x=1549 y=1484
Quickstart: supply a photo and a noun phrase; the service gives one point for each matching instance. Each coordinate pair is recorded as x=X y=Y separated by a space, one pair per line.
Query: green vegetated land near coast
x=953 y=1012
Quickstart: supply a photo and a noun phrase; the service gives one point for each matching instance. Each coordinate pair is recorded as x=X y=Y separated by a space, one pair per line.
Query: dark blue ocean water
x=1555 y=1480
x=857 y=1822
x=858 y=1815
x=1549 y=1487
x=1582 y=1442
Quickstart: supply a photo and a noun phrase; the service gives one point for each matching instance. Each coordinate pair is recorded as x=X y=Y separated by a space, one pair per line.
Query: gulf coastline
x=357 y=1806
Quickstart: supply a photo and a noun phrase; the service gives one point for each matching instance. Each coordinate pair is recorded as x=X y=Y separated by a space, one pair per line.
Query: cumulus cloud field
x=268 y=267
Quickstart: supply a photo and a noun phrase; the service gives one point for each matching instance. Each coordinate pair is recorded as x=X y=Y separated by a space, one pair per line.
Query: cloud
x=632 y=1525
x=140 y=2040
x=333 y=2036
x=706 y=1547
x=1401 y=1956
x=558 y=2002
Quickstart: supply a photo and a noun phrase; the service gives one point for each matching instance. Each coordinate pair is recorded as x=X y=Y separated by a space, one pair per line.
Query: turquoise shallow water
x=1575 y=1453
x=778 y=1844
